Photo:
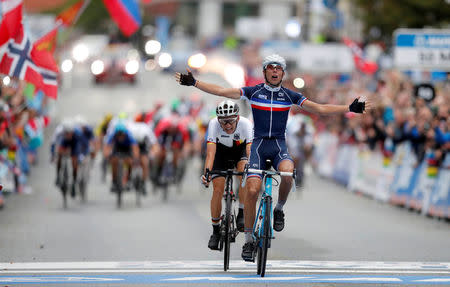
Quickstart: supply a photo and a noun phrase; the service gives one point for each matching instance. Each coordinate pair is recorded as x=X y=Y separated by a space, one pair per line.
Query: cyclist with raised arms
x=270 y=103
x=229 y=139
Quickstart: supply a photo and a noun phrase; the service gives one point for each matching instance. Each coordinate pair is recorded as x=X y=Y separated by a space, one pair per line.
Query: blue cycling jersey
x=270 y=107
x=127 y=141
x=87 y=135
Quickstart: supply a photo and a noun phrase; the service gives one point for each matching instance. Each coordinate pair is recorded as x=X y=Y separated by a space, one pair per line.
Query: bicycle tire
x=138 y=188
x=258 y=259
x=82 y=186
x=227 y=235
x=65 y=184
x=266 y=237
x=119 y=185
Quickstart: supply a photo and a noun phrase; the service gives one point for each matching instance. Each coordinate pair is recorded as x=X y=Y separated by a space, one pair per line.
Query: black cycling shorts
x=228 y=157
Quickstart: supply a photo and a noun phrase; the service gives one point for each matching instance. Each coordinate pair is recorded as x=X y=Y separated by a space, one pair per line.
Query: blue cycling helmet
x=120 y=127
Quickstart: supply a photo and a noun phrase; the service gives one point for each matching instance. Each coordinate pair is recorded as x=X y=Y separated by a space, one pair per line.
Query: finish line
x=147 y=272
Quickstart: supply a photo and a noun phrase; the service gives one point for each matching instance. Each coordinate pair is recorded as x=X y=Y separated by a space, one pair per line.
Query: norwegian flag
x=361 y=63
x=22 y=60
x=17 y=62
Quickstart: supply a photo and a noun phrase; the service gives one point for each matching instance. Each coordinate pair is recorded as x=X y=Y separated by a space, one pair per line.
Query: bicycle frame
x=266 y=198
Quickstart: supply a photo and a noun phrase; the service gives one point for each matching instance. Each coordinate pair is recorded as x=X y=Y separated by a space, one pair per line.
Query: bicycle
x=84 y=170
x=66 y=162
x=262 y=227
x=138 y=183
x=122 y=179
x=228 y=228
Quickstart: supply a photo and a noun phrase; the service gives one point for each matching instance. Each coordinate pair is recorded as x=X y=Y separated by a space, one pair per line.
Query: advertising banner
x=425 y=49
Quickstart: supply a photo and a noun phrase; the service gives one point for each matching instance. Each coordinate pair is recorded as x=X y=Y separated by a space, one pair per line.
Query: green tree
x=382 y=17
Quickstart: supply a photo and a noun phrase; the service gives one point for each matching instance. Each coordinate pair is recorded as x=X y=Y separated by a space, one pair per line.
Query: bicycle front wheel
x=120 y=185
x=227 y=233
x=266 y=237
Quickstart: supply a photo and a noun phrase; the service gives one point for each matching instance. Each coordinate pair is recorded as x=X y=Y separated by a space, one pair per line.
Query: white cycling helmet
x=227 y=108
x=68 y=125
x=80 y=121
x=274 y=59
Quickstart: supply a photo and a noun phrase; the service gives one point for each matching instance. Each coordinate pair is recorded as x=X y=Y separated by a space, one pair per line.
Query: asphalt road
x=324 y=222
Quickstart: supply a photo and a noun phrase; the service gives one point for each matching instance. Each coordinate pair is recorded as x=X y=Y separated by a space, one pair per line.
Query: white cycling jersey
x=243 y=133
x=142 y=131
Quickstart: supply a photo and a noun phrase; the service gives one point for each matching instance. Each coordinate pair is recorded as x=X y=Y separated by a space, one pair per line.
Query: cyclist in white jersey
x=270 y=104
x=229 y=138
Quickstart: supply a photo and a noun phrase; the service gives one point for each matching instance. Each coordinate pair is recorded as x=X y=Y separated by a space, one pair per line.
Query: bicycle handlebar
x=248 y=170
x=260 y=171
x=229 y=172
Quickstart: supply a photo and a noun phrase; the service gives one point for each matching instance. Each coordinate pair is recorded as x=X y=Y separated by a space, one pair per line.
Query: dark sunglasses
x=227 y=121
x=274 y=67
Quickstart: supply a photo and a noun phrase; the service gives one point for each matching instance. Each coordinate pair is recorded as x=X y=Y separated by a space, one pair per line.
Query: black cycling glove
x=187 y=79
x=357 y=107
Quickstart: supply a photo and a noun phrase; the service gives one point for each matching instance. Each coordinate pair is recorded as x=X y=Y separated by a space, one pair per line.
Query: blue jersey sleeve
x=297 y=98
x=247 y=92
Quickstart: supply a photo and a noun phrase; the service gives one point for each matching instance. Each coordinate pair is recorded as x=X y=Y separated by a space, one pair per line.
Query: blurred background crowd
x=336 y=51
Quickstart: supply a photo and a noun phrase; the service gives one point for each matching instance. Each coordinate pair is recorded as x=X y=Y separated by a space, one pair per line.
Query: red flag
x=47 y=42
x=361 y=63
x=46 y=65
x=11 y=25
x=69 y=15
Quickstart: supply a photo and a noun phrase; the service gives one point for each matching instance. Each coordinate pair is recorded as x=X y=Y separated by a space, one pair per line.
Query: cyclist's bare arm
x=231 y=93
x=248 y=148
x=210 y=155
x=326 y=109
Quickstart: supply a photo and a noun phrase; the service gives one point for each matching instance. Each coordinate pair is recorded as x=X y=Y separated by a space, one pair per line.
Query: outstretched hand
x=360 y=107
x=185 y=79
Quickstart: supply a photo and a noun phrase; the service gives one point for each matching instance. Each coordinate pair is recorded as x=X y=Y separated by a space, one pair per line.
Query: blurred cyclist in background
x=121 y=145
x=145 y=139
x=67 y=140
x=88 y=147
x=300 y=141
x=100 y=133
x=172 y=135
x=270 y=103
x=229 y=140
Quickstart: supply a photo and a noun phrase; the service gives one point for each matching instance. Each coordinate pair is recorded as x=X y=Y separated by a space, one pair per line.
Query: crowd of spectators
x=399 y=114
x=22 y=120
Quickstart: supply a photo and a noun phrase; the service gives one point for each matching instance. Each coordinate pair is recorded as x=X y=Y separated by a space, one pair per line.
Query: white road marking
x=369 y=279
x=223 y=278
x=282 y=264
x=247 y=270
x=55 y=279
x=236 y=266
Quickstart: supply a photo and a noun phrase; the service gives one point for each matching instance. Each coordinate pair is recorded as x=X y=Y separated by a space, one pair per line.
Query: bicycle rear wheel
x=227 y=233
x=266 y=237
x=138 y=187
x=65 y=184
x=120 y=186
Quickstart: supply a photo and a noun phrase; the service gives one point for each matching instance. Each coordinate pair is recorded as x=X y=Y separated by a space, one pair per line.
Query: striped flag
x=126 y=15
